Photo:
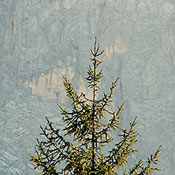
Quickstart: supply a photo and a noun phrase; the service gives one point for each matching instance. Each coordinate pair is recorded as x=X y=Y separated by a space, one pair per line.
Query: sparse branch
x=119 y=155
x=139 y=168
x=135 y=169
x=51 y=152
x=113 y=123
x=107 y=99
x=71 y=93
x=152 y=160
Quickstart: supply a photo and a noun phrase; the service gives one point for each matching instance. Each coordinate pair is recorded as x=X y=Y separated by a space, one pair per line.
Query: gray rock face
x=42 y=40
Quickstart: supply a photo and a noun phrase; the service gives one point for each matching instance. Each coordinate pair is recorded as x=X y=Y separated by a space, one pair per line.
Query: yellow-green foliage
x=84 y=155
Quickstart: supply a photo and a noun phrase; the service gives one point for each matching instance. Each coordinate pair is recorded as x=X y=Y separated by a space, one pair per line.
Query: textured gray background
x=42 y=40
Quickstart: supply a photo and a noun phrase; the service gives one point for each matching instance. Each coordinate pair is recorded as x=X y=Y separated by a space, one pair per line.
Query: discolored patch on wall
x=50 y=85
x=119 y=47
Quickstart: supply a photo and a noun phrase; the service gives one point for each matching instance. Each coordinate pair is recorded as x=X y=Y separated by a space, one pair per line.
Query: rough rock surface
x=42 y=40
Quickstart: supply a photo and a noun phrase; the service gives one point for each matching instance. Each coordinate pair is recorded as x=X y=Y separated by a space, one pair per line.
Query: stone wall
x=43 y=40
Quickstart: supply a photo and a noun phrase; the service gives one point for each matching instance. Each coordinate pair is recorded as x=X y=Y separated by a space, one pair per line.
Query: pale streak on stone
x=119 y=47
x=107 y=54
x=171 y=38
x=111 y=50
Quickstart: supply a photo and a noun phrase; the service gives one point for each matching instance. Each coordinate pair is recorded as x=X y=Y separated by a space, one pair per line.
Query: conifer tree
x=85 y=125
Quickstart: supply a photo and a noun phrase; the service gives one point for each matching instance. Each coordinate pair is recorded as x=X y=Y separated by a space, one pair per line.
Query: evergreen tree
x=85 y=123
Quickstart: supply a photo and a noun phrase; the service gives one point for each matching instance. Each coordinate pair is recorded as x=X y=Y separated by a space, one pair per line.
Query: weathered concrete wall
x=42 y=40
